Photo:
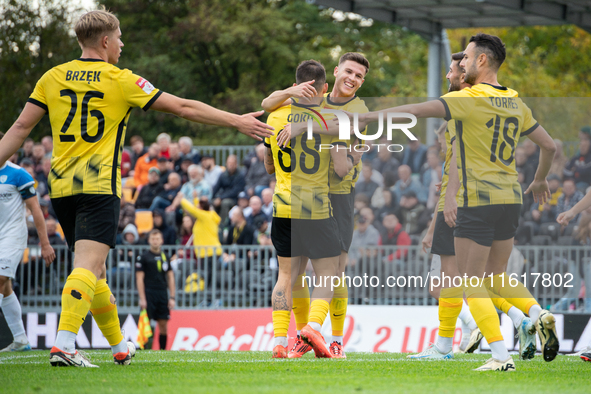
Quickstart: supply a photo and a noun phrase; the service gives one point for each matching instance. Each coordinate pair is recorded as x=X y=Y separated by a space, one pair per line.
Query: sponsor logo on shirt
x=5 y=196
x=145 y=85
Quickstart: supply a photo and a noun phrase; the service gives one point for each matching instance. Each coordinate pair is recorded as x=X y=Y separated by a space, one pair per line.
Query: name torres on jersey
x=489 y=120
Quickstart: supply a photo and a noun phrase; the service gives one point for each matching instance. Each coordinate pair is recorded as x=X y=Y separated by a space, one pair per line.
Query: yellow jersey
x=346 y=184
x=489 y=121
x=88 y=102
x=301 y=168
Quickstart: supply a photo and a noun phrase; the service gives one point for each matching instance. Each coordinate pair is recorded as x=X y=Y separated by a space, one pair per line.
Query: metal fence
x=379 y=278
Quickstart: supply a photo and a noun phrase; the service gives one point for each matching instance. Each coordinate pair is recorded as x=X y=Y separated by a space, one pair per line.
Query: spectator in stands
x=406 y=182
x=168 y=232
x=126 y=214
x=532 y=152
x=47 y=143
x=130 y=235
x=376 y=176
x=54 y=237
x=262 y=234
x=125 y=163
x=394 y=235
x=366 y=185
x=412 y=215
x=167 y=196
x=163 y=141
x=205 y=234
x=365 y=235
x=187 y=150
x=186 y=229
x=42 y=177
x=239 y=233
x=143 y=165
x=570 y=196
x=388 y=206
x=164 y=170
x=211 y=171
x=149 y=191
x=27 y=150
x=175 y=156
x=385 y=162
x=377 y=200
x=184 y=170
x=193 y=189
x=38 y=155
x=368 y=213
x=257 y=177
x=137 y=149
x=226 y=190
x=254 y=211
x=579 y=166
x=361 y=201
x=243 y=201
x=430 y=176
x=523 y=165
x=559 y=161
x=415 y=155
x=267 y=197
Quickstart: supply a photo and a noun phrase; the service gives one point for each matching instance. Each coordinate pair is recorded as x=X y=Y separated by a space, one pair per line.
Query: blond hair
x=94 y=25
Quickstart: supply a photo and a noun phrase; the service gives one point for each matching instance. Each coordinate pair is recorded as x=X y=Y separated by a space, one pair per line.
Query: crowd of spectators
x=173 y=182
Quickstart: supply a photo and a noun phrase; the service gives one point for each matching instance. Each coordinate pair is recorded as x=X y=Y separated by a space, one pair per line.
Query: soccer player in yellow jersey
x=349 y=77
x=88 y=101
x=441 y=240
x=490 y=119
x=303 y=225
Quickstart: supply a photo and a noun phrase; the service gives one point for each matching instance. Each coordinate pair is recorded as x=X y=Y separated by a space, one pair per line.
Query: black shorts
x=443 y=237
x=316 y=239
x=342 y=211
x=157 y=304
x=93 y=217
x=487 y=223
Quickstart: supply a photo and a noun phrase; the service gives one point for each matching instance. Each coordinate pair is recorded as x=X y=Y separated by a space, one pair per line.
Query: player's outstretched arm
x=429 y=109
x=16 y=135
x=199 y=112
x=47 y=251
x=539 y=187
x=280 y=98
x=579 y=207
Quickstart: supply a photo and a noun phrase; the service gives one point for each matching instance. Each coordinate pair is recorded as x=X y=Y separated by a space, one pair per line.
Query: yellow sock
x=450 y=306
x=281 y=323
x=338 y=309
x=318 y=311
x=301 y=303
x=105 y=313
x=484 y=312
x=498 y=301
x=514 y=292
x=76 y=299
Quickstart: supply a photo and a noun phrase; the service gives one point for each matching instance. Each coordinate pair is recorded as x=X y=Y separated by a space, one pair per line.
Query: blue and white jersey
x=16 y=185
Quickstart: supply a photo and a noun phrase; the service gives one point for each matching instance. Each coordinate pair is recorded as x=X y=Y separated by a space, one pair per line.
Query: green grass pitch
x=246 y=372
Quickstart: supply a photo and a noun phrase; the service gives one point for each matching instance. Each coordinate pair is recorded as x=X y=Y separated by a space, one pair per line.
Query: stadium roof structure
x=428 y=17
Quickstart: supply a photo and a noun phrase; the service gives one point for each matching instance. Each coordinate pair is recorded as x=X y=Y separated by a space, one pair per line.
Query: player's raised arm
x=199 y=112
x=539 y=187
x=279 y=98
x=20 y=130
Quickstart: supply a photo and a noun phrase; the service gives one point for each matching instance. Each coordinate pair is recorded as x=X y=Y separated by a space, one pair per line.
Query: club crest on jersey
x=146 y=86
x=3 y=178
